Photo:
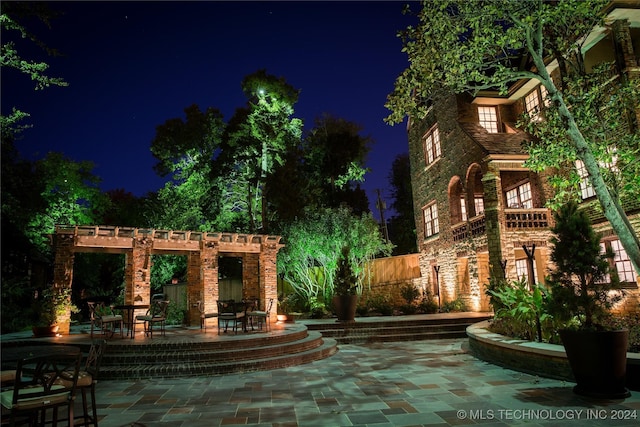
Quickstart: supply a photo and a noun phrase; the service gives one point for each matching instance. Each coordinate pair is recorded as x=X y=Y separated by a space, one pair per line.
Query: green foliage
x=177 y=310
x=601 y=107
x=165 y=268
x=524 y=308
x=258 y=140
x=52 y=304
x=427 y=303
x=379 y=305
x=582 y=285
x=409 y=292
x=70 y=196
x=309 y=260
x=456 y=305
x=345 y=282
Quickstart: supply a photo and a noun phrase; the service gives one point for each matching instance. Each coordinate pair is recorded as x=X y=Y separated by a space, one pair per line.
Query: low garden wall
x=534 y=358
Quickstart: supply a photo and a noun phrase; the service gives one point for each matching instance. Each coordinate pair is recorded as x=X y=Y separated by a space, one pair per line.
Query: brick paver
x=415 y=383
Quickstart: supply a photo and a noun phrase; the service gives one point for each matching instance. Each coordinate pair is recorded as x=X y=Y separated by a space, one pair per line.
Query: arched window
x=476 y=190
x=457 y=202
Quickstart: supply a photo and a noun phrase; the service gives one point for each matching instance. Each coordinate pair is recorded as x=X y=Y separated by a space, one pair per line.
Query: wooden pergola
x=258 y=253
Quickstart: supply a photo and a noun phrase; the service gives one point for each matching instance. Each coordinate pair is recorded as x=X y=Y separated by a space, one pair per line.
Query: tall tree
x=334 y=155
x=469 y=46
x=402 y=225
x=261 y=136
x=186 y=149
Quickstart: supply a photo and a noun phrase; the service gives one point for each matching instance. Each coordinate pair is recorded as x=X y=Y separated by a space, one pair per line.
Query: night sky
x=133 y=65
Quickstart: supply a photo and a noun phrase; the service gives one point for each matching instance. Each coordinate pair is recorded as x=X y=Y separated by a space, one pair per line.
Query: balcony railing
x=518 y=219
x=461 y=231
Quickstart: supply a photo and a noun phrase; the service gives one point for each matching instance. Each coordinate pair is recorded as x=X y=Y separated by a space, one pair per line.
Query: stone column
x=138 y=272
x=202 y=280
x=251 y=286
x=63 y=275
x=494 y=216
x=269 y=277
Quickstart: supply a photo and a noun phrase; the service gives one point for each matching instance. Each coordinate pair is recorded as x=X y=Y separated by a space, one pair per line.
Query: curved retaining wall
x=541 y=359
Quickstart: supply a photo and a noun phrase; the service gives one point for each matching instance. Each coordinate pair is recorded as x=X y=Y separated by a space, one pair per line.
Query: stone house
x=479 y=212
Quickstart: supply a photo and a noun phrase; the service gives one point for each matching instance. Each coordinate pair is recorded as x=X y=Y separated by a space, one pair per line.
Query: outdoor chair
x=104 y=320
x=204 y=316
x=261 y=317
x=88 y=378
x=44 y=381
x=230 y=312
x=157 y=313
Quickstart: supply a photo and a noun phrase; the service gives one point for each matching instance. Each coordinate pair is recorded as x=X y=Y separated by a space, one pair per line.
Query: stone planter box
x=534 y=358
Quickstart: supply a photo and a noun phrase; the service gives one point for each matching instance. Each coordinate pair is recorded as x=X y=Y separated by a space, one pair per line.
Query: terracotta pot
x=288 y=318
x=345 y=307
x=598 y=361
x=45 y=331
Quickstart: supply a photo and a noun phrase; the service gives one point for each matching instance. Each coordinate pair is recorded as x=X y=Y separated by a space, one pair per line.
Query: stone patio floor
x=417 y=383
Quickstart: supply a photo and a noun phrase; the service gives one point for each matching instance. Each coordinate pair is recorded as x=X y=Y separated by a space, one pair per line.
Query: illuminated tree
x=186 y=149
x=309 y=260
x=71 y=195
x=260 y=136
x=470 y=46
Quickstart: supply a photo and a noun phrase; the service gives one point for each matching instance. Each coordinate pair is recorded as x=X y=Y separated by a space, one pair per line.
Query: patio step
x=389 y=329
x=184 y=359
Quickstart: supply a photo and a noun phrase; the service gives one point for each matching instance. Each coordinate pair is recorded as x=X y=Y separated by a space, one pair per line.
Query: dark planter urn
x=345 y=307
x=598 y=361
x=45 y=331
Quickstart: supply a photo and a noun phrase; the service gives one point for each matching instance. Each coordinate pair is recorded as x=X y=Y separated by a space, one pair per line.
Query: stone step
x=394 y=329
x=196 y=353
x=167 y=360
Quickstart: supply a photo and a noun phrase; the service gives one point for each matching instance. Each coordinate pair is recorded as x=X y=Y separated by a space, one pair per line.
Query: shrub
x=427 y=304
x=409 y=292
x=456 y=305
x=380 y=305
x=524 y=308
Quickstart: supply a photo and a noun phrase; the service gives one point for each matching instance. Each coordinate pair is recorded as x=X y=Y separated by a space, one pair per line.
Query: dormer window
x=488 y=117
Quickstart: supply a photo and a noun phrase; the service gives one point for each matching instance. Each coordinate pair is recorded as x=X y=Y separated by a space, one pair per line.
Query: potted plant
x=284 y=313
x=583 y=289
x=345 y=299
x=52 y=307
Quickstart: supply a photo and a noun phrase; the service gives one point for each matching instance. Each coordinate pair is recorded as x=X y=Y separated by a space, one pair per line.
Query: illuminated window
x=523 y=271
x=586 y=189
x=621 y=261
x=545 y=96
x=432 y=145
x=463 y=208
x=532 y=104
x=430 y=215
x=534 y=100
x=478 y=202
x=488 y=117
x=520 y=197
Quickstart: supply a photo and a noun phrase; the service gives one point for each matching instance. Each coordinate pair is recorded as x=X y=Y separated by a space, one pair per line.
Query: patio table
x=129 y=314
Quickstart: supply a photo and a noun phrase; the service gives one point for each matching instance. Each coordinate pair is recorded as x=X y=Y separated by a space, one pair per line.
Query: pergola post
x=63 y=274
x=269 y=276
